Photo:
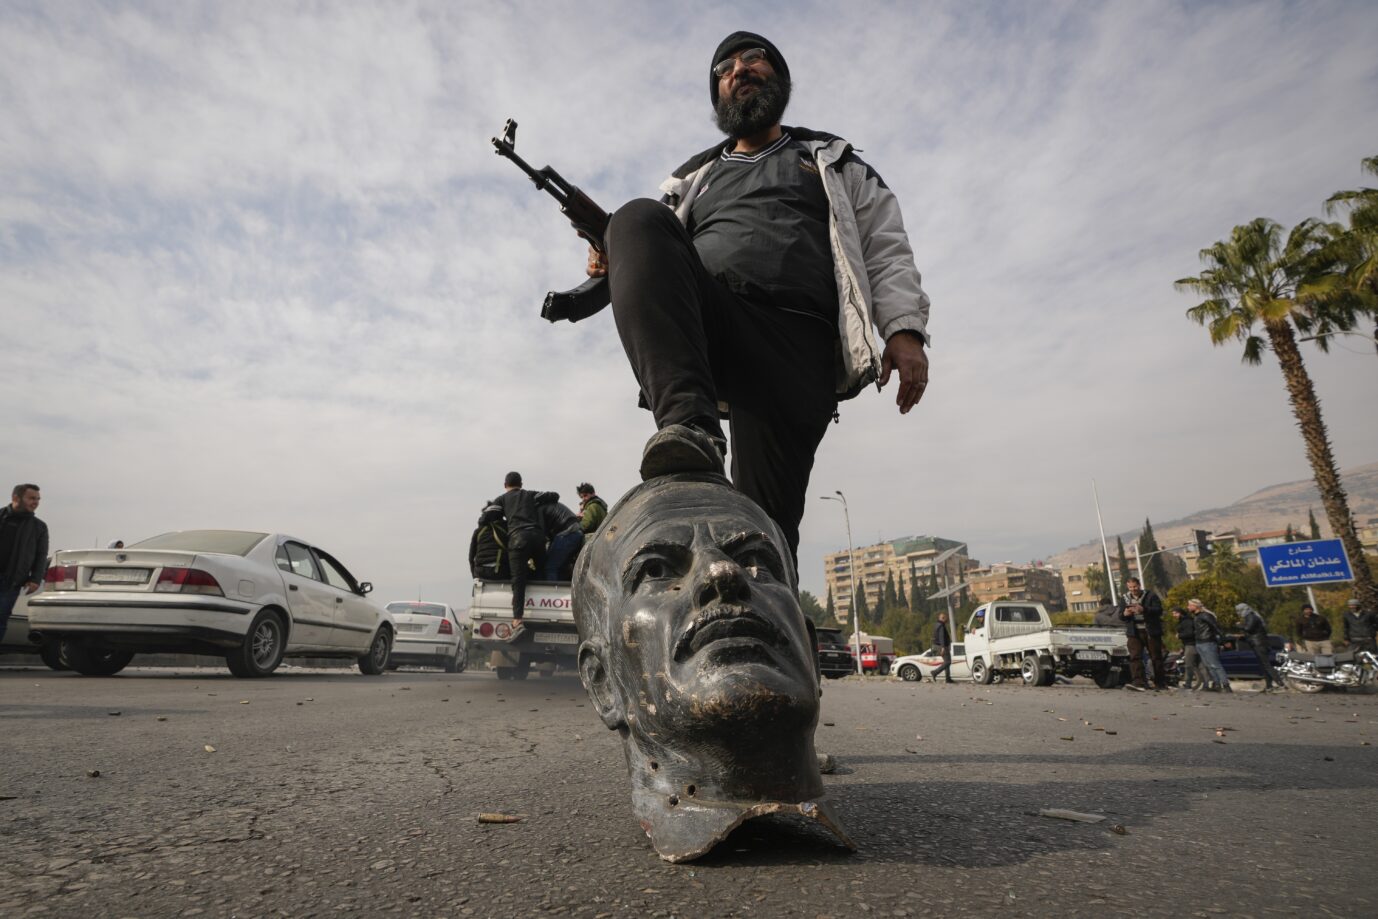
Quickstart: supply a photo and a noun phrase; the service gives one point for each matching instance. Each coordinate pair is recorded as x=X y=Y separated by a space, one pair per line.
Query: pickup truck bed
x=549 y=635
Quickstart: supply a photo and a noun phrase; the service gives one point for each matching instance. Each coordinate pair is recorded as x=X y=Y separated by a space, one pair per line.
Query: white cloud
x=261 y=268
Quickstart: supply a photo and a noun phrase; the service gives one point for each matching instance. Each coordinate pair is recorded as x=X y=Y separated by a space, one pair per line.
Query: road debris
x=1069 y=737
x=113 y=714
x=1057 y=813
x=93 y=773
x=210 y=749
x=1118 y=829
x=827 y=764
x=501 y=818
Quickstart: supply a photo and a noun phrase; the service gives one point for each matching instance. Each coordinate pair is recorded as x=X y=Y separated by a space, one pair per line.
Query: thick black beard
x=738 y=118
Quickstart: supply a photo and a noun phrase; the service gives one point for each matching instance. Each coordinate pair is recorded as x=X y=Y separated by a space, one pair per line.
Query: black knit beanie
x=739 y=41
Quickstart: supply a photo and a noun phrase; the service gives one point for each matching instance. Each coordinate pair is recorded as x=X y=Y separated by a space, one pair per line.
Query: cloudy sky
x=260 y=268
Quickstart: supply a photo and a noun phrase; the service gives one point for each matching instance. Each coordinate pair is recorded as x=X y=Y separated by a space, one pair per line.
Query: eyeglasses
x=748 y=57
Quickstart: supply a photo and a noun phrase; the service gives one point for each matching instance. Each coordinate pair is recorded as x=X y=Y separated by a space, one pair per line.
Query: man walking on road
x=525 y=538
x=942 y=640
x=1142 y=614
x=23 y=549
x=1256 y=634
x=758 y=287
x=1361 y=627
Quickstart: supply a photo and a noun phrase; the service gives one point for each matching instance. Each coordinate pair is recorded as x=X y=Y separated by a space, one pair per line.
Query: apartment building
x=1017 y=582
x=906 y=560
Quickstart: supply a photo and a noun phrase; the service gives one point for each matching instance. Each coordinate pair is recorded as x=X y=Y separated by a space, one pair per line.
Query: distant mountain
x=1270 y=508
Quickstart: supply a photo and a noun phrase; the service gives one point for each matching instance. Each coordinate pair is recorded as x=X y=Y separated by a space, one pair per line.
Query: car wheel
x=980 y=673
x=89 y=661
x=523 y=668
x=51 y=653
x=261 y=652
x=455 y=663
x=504 y=673
x=375 y=661
x=910 y=674
x=884 y=668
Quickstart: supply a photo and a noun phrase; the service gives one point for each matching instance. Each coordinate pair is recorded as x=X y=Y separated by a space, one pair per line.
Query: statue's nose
x=722 y=580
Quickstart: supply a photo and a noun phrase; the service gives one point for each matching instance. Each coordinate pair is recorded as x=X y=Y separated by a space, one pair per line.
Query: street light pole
x=851 y=573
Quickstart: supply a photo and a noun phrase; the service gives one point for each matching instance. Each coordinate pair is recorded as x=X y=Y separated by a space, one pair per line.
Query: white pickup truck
x=548 y=636
x=1012 y=637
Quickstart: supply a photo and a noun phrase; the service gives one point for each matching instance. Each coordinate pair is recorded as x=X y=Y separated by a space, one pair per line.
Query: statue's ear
x=593 y=671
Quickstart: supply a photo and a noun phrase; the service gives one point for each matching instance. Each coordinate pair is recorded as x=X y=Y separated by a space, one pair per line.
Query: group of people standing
x=523 y=534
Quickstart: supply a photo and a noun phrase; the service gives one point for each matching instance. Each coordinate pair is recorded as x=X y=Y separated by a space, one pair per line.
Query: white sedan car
x=251 y=598
x=429 y=634
x=913 y=667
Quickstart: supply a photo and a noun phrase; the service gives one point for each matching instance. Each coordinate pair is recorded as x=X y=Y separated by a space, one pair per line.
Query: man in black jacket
x=1256 y=634
x=1313 y=632
x=1191 y=660
x=942 y=640
x=488 y=546
x=525 y=538
x=1361 y=627
x=1142 y=614
x=23 y=549
x=1208 y=635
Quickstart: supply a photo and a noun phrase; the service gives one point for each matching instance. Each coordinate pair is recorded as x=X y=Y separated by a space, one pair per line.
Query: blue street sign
x=1296 y=564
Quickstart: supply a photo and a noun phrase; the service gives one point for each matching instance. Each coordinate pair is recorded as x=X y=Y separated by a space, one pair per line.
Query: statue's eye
x=761 y=562
x=655 y=567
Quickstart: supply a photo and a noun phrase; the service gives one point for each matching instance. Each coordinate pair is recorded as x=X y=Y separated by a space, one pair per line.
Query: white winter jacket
x=877 y=281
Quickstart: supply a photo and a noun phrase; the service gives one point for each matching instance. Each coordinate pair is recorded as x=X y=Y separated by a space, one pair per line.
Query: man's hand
x=597 y=266
x=904 y=352
x=30 y=587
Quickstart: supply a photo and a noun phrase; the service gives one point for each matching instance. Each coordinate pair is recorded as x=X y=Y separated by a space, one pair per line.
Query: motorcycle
x=1314 y=672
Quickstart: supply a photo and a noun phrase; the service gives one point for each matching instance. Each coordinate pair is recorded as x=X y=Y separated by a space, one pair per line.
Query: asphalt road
x=331 y=793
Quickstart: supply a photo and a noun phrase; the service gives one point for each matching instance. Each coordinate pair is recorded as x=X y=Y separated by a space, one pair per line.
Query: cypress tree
x=1155 y=572
x=1122 y=564
x=1315 y=527
x=901 y=599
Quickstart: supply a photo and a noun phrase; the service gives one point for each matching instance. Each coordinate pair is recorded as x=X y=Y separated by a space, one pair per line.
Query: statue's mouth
x=722 y=623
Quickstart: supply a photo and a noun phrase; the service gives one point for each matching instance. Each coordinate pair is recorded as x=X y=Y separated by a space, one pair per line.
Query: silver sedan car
x=429 y=634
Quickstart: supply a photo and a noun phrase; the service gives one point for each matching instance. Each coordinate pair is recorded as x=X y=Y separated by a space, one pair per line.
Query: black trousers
x=946 y=667
x=1138 y=642
x=693 y=342
x=524 y=546
x=1260 y=645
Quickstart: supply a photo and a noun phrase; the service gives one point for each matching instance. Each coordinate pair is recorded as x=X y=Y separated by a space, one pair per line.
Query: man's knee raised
x=636 y=215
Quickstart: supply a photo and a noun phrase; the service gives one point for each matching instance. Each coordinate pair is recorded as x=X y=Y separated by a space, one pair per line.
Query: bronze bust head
x=693 y=647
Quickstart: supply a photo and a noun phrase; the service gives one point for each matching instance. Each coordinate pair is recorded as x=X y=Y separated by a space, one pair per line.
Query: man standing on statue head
x=757 y=286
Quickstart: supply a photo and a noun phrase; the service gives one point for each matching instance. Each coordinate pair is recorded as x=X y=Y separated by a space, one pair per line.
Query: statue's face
x=706 y=631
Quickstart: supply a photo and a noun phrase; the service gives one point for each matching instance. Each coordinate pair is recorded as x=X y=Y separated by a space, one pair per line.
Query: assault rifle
x=590 y=221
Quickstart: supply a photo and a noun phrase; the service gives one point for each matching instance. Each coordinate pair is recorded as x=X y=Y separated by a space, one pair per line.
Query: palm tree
x=1361 y=238
x=1258 y=279
x=1356 y=246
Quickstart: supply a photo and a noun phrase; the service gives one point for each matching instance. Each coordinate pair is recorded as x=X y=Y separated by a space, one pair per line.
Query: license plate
x=557 y=638
x=1091 y=655
x=120 y=576
x=410 y=627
